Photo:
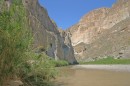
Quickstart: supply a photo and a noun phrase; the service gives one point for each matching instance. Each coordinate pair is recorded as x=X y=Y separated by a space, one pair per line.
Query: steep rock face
x=93 y=36
x=47 y=38
x=88 y=27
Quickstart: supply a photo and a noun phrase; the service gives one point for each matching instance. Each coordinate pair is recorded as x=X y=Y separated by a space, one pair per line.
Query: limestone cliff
x=102 y=32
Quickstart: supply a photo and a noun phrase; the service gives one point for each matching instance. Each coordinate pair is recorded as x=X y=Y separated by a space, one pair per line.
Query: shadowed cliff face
x=103 y=32
x=47 y=38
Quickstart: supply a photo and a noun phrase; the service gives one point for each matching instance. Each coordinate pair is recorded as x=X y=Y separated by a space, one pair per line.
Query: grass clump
x=59 y=63
x=108 y=60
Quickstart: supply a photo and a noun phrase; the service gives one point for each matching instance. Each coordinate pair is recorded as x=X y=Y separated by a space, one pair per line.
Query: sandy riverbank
x=125 y=68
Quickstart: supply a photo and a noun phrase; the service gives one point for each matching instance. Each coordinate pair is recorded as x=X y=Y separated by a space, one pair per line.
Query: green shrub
x=15 y=38
x=38 y=71
x=14 y=41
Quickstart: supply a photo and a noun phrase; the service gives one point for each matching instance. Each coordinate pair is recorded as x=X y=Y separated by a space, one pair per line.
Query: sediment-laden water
x=70 y=76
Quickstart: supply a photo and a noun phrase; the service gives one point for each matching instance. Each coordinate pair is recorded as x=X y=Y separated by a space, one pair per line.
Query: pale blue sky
x=68 y=12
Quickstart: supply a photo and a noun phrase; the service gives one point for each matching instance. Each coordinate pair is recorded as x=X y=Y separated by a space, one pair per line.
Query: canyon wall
x=102 y=32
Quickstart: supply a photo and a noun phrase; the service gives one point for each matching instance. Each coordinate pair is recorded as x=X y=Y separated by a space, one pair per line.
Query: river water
x=70 y=76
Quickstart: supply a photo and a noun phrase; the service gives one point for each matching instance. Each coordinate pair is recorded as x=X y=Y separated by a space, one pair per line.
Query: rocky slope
x=103 y=32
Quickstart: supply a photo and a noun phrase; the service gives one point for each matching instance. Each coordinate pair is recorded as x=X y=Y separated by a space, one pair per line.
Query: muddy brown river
x=70 y=76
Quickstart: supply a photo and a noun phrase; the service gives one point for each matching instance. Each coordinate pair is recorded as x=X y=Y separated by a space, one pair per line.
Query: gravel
x=125 y=68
